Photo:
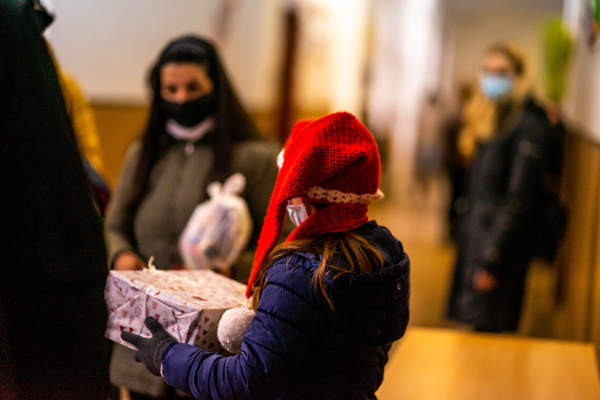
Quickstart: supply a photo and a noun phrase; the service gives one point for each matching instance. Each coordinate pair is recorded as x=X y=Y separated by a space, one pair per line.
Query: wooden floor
x=434 y=364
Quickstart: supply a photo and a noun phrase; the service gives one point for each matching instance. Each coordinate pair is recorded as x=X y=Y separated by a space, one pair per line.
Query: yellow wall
x=118 y=126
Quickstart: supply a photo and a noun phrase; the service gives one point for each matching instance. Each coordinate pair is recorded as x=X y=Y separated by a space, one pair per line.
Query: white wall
x=404 y=66
x=331 y=55
x=474 y=29
x=582 y=103
x=110 y=44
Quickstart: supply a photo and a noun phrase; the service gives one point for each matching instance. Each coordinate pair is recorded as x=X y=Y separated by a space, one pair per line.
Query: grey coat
x=177 y=184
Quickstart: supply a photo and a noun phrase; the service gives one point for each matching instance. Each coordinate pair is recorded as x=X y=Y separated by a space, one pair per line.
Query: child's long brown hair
x=361 y=257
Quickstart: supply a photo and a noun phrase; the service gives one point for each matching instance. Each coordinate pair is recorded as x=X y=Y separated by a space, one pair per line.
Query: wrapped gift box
x=189 y=304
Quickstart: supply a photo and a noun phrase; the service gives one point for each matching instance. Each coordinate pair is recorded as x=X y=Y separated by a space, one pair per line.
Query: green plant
x=595 y=7
x=558 y=46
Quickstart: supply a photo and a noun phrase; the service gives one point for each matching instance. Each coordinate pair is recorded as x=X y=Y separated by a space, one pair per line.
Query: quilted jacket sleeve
x=288 y=321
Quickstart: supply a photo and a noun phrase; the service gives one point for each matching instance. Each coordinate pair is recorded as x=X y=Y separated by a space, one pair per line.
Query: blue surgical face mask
x=297 y=213
x=495 y=87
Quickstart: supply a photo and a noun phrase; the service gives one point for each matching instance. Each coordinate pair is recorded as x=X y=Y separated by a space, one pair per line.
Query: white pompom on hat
x=232 y=328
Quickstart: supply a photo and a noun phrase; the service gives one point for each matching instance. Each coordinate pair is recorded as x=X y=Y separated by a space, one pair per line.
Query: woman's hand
x=484 y=281
x=128 y=261
x=225 y=272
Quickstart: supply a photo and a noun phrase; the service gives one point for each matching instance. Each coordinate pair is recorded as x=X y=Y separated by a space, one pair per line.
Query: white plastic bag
x=219 y=228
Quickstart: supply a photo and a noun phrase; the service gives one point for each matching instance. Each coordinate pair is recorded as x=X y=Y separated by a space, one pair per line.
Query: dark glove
x=150 y=350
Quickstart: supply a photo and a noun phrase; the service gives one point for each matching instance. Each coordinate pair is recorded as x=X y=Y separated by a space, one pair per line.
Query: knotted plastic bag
x=219 y=228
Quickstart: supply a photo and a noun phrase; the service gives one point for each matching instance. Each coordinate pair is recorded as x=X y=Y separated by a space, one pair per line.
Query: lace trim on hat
x=335 y=196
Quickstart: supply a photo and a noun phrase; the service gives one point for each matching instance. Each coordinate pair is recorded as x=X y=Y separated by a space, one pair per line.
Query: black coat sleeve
x=525 y=182
x=53 y=262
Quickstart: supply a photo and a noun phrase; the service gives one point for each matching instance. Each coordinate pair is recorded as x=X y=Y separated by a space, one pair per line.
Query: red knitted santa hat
x=332 y=160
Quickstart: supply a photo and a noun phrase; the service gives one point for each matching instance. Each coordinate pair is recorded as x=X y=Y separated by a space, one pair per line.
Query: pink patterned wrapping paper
x=189 y=304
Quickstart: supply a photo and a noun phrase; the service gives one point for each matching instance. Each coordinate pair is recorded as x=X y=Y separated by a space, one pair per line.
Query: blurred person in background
x=52 y=306
x=83 y=122
x=455 y=163
x=510 y=142
x=86 y=133
x=197 y=133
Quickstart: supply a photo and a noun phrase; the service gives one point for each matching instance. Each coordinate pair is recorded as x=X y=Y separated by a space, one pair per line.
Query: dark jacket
x=296 y=346
x=52 y=311
x=505 y=194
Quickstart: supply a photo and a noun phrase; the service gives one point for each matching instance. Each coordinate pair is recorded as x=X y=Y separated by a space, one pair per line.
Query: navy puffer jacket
x=297 y=347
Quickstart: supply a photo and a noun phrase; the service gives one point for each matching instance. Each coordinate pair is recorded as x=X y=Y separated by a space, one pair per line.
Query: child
x=329 y=301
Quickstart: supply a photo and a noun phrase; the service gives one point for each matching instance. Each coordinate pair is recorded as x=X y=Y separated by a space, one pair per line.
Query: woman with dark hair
x=513 y=149
x=197 y=133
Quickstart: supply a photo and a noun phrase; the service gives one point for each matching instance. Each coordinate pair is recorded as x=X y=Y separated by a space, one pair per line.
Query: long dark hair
x=361 y=258
x=232 y=123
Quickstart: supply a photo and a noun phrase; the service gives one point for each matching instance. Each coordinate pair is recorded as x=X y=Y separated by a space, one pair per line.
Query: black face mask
x=191 y=112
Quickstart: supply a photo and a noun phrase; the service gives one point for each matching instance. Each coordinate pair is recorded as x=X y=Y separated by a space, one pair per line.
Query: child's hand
x=150 y=350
